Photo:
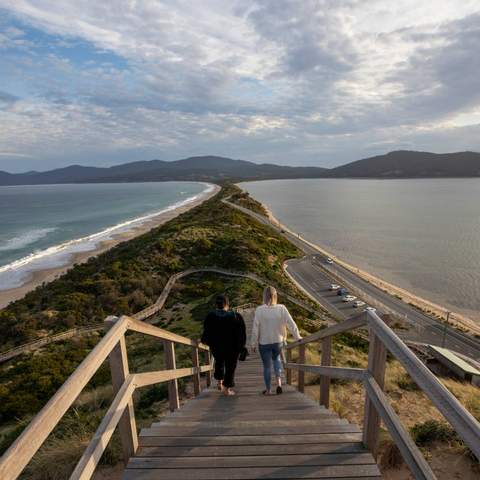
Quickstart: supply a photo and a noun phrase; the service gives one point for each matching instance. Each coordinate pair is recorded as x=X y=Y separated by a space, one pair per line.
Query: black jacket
x=224 y=331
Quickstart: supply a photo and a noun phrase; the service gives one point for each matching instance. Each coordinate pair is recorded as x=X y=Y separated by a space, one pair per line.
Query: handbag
x=243 y=355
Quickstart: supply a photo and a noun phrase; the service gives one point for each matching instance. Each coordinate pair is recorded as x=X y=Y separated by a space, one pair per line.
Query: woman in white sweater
x=269 y=332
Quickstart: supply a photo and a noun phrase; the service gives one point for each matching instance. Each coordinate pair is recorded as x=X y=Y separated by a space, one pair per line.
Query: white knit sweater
x=270 y=325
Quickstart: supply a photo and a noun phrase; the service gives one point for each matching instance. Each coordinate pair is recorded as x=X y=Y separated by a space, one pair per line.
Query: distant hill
x=410 y=164
x=207 y=168
x=399 y=164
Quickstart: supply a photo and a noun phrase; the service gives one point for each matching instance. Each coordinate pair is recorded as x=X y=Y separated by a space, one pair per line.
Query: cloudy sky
x=298 y=82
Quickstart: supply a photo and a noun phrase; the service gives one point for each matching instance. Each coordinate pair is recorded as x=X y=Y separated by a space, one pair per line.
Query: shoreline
x=47 y=275
x=456 y=319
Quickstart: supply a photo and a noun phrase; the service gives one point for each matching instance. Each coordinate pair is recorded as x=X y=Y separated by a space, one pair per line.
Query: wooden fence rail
x=121 y=411
x=377 y=407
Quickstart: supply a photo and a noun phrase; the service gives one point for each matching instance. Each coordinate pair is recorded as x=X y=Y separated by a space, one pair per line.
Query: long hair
x=270 y=296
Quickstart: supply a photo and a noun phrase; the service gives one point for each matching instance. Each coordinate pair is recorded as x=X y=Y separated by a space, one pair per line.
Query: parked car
x=342 y=291
x=329 y=260
x=358 y=303
x=334 y=286
x=349 y=298
x=371 y=309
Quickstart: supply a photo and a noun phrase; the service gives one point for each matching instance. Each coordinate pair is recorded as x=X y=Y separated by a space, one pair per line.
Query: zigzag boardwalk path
x=250 y=436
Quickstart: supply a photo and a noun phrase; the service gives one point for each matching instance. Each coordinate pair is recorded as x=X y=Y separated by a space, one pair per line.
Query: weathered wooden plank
x=351 y=323
x=240 y=450
x=410 y=452
x=253 y=461
x=301 y=372
x=91 y=456
x=196 y=375
x=256 y=423
x=265 y=415
x=152 y=330
x=170 y=431
x=171 y=364
x=335 y=372
x=329 y=471
x=235 y=440
x=22 y=450
x=462 y=421
x=377 y=358
x=325 y=379
x=127 y=426
x=150 y=378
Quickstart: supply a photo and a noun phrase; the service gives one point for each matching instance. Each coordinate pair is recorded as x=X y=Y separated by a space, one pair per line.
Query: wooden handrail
x=350 y=324
x=461 y=420
x=410 y=452
x=382 y=338
x=26 y=445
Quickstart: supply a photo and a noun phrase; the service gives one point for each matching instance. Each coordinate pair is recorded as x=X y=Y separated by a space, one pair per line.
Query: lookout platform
x=251 y=436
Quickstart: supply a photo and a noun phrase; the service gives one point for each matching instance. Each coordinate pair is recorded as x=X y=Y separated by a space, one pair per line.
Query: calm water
x=423 y=235
x=42 y=225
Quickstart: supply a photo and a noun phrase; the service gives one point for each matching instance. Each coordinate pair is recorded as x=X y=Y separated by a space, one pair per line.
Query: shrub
x=406 y=383
x=431 y=431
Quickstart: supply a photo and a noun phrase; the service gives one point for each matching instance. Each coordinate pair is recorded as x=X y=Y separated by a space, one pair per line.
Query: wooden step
x=240 y=450
x=235 y=440
x=251 y=436
x=252 y=473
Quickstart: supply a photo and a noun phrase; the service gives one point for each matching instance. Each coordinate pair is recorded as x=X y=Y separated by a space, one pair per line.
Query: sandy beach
x=456 y=319
x=44 y=276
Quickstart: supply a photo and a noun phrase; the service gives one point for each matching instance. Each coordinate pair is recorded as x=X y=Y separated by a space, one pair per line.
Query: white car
x=349 y=298
x=329 y=260
x=334 y=286
x=358 y=303
x=371 y=309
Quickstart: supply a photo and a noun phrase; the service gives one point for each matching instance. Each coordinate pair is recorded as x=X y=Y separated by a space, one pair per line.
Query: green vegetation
x=123 y=281
x=245 y=200
x=431 y=431
x=130 y=276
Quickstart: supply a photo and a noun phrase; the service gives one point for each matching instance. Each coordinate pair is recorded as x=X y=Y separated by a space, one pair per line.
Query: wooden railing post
x=196 y=376
x=208 y=356
x=171 y=364
x=324 y=380
x=377 y=356
x=301 y=375
x=119 y=368
x=289 y=370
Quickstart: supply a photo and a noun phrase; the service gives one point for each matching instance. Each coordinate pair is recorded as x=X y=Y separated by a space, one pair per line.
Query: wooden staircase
x=251 y=436
x=248 y=436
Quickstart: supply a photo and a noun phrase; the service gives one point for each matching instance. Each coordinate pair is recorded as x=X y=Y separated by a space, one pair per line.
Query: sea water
x=422 y=235
x=42 y=226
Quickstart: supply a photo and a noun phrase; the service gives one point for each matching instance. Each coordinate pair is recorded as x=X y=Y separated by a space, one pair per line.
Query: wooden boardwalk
x=250 y=436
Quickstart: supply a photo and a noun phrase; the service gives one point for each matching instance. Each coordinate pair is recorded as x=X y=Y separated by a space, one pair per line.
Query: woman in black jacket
x=224 y=332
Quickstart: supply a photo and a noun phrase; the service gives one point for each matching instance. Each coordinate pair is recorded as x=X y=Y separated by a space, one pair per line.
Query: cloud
x=308 y=82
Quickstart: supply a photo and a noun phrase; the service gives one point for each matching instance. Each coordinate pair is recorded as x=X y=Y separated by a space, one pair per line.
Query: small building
x=455 y=364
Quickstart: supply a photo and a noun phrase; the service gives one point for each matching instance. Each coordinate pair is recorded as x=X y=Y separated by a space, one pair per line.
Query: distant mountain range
x=399 y=164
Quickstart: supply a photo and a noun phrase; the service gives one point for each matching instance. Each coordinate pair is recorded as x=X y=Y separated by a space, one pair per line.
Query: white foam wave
x=24 y=239
x=16 y=273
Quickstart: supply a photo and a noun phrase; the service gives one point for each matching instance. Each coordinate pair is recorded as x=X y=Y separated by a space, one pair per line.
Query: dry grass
x=412 y=406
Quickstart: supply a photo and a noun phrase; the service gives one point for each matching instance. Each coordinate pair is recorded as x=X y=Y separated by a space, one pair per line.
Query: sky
x=291 y=82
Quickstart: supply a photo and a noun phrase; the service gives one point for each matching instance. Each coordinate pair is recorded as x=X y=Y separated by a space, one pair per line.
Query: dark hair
x=221 y=301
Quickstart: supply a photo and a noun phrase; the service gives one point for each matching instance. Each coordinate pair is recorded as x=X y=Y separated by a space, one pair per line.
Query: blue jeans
x=271 y=353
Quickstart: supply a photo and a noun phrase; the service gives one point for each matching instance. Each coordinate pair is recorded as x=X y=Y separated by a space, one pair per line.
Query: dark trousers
x=225 y=365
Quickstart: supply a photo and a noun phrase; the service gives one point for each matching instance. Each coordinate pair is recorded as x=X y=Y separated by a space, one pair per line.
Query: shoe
x=279 y=390
x=266 y=392
x=220 y=385
x=228 y=392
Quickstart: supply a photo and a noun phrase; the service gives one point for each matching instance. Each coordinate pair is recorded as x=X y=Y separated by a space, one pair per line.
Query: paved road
x=315 y=275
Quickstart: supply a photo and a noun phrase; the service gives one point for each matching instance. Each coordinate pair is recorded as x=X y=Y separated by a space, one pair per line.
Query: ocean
x=41 y=226
x=422 y=235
